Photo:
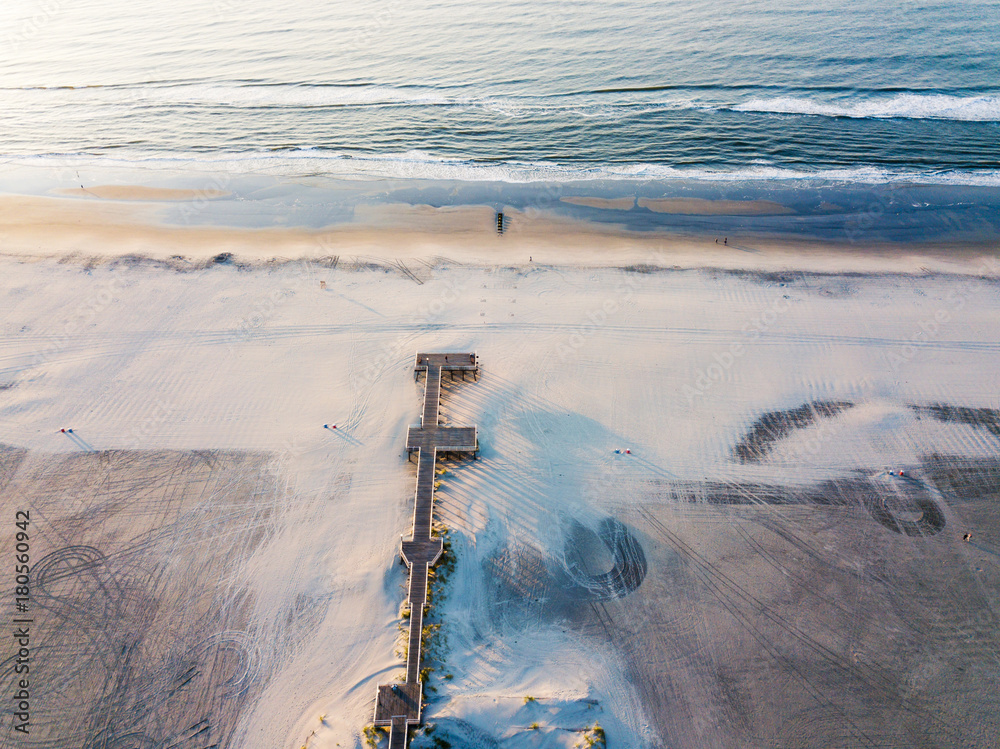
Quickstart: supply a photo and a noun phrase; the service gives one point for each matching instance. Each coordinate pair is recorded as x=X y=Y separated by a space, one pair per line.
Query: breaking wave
x=903 y=106
x=416 y=164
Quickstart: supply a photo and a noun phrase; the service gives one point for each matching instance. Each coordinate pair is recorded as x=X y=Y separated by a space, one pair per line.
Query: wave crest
x=903 y=106
x=982 y=108
x=416 y=164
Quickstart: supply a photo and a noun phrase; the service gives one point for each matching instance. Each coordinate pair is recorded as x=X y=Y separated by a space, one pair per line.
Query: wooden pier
x=398 y=704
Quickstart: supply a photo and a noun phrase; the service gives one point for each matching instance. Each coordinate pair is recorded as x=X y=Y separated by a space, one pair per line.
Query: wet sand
x=100 y=231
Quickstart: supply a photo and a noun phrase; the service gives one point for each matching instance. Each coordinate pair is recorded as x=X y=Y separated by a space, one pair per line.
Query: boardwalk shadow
x=567 y=432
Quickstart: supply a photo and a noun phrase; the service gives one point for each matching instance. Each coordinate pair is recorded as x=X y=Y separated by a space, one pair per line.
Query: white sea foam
x=904 y=106
x=257 y=96
x=297 y=96
x=246 y=96
x=417 y=164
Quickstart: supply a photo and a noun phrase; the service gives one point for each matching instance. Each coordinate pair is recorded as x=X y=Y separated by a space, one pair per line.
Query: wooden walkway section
x=398 y=705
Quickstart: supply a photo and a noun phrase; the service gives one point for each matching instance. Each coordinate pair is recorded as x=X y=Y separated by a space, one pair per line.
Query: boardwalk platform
x=398 y=705
x=452 y=362
x=456 y=439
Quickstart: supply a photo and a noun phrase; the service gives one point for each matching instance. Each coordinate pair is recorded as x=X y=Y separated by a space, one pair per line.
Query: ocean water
x=680 y=91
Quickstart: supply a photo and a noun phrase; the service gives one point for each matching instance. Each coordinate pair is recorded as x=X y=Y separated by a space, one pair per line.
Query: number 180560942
x=22 y=561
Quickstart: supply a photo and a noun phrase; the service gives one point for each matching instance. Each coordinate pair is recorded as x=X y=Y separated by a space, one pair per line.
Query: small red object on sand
x=334 y=426
x=63 y=431
x=900 y=473
x=628 y=452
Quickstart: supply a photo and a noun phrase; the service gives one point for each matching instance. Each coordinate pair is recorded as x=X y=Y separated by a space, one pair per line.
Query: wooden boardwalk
x=398 y=704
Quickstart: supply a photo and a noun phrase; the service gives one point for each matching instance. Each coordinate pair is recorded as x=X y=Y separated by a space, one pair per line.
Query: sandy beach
x=697 y=303
x=132 y=223
x=715 y=423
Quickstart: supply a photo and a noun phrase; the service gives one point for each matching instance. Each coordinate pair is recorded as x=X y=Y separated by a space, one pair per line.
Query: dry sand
x=212 y=567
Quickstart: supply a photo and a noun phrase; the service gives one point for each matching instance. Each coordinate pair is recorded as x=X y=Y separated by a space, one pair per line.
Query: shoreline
x=102 y=231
